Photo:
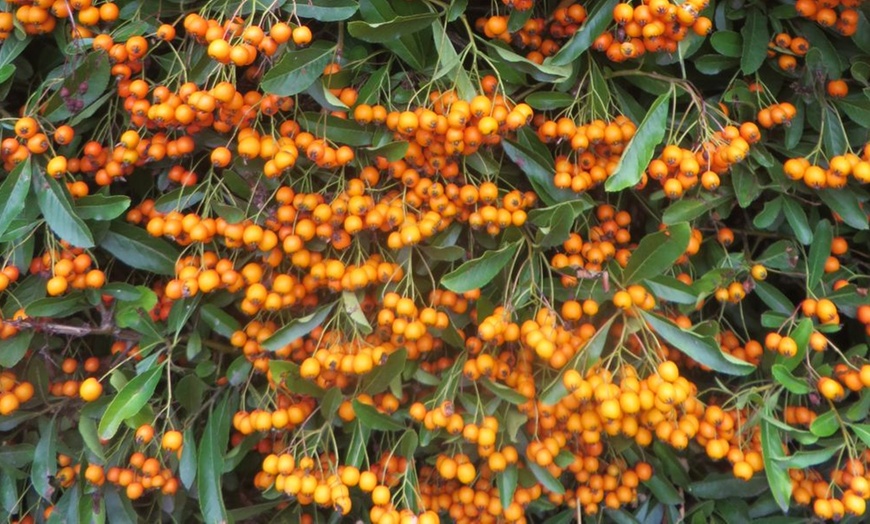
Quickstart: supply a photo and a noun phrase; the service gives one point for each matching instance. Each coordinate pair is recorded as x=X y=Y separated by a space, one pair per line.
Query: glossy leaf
x=326 y=10
x=295 y=71
x=136 y=248
x=57 y=208
x=595 y=24
x=210 y=463
x=640 y=149
x=380 y=32
x=13 y=192
x=777 y=473
x=703 y=349
x=129 y=400
x=477 y=273
x=297 y=328
x=755 y=35
x=656 y=253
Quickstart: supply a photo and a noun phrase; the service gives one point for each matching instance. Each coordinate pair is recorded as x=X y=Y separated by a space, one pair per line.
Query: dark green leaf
x=379 y=32
x=790 y=382
x=670 y=289
x=806 y=459
x=295 y=71
x=44 y=461
x=181 y=198
x=476 y=273
x=819 y=252
x=136 y=248
x=549 y=100
x=688 y=209
x=727 y=43
x=846 y=204
x=62 y=306
x=641 y=148
x=777 y=473
x=825 y=424
x=326 y=10
x=219 y=320
x=507 y=484
x=755 y=38
x=380 y=377
x=726 y=485
x=596 y=23
x=540 y=173
x=129 y=400
x=703 y=349
x=101 y=207
x=335 y=129
x=371 y=418
x=13 y=192
x=546 y=478
x=210 y=463
x=504 y=392
x=774 y=298
x=797 y=219
x=297 y=327
x=656 y=253
x=56 y=205
x=14 y=348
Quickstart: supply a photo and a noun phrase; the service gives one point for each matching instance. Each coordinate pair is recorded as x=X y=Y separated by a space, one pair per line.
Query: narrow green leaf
x=790 y=382
x=219 y=320
x=703 y=349
x=354 y=310
x=846 y=204
x=774 y=298
x=755 y=38
x=595 y=24
x=44 y=461
x=371 y=418
x=136 y=248
x=862 y=431
x=380 y=32
x=656 y=253
x=504 y=392
x=295 y=71
x=15 y=348
x=806 y=459
x=797 y=219
x=687 y=209
x=539 y=171
x=127 y=403
x=210 y=463
x=335 y=129
x=326 y=10
x=820 y=249
x=101 y=207
x=56 y=205
x=507 y=484
x=555 y=391
x=13 y=192
x=297 y=328
x=380 y=377
x=777 y=473
x=546 y=478
x=642 y=146
x=480 y=271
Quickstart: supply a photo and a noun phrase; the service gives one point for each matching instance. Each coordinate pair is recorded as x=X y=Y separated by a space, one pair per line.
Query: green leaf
x=62 y=306
x=541 y=72
x=790 y=382
x=136 y=248
x=825 y=424
x=210 y=463
x=507 y=484
x=797 y=219
x=769 y=215
x=129 y=400
x=101 y=207
x=834 y=136
x=671 y=290
x=746 y=184
x=703 y=349
x=595 y=24
x=380 y=32
x=295 y=71
x=846 y=204
x=380 y=377
x=806 y=459
x=546 y=478
x=549 y=100
x=714 y=64
x=777 y=473
x=555 y=222
x=862 y=431
x=371 y=418
x=297 y=327
x=56 y=205
x=326 y=10
x=15 y=348
x=801 y=335
x=181 y=198
x=187 y=462
x=755 y=38
x=687 y=209
x=642 y=146
x=44 y=461
x=504 y=392
x=774 y=298
x=540 y=172
x=656 y=253
x=725 y=485
x=95 y=70
x=335 y=129
x=663 y=490
x=476 y=273
x=354 y=310
x=819 y=252
x=727 y=43
x=219 y=320
x=13 y=192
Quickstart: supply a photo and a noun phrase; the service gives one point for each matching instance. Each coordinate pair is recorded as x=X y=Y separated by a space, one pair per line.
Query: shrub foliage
x=421 y=261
